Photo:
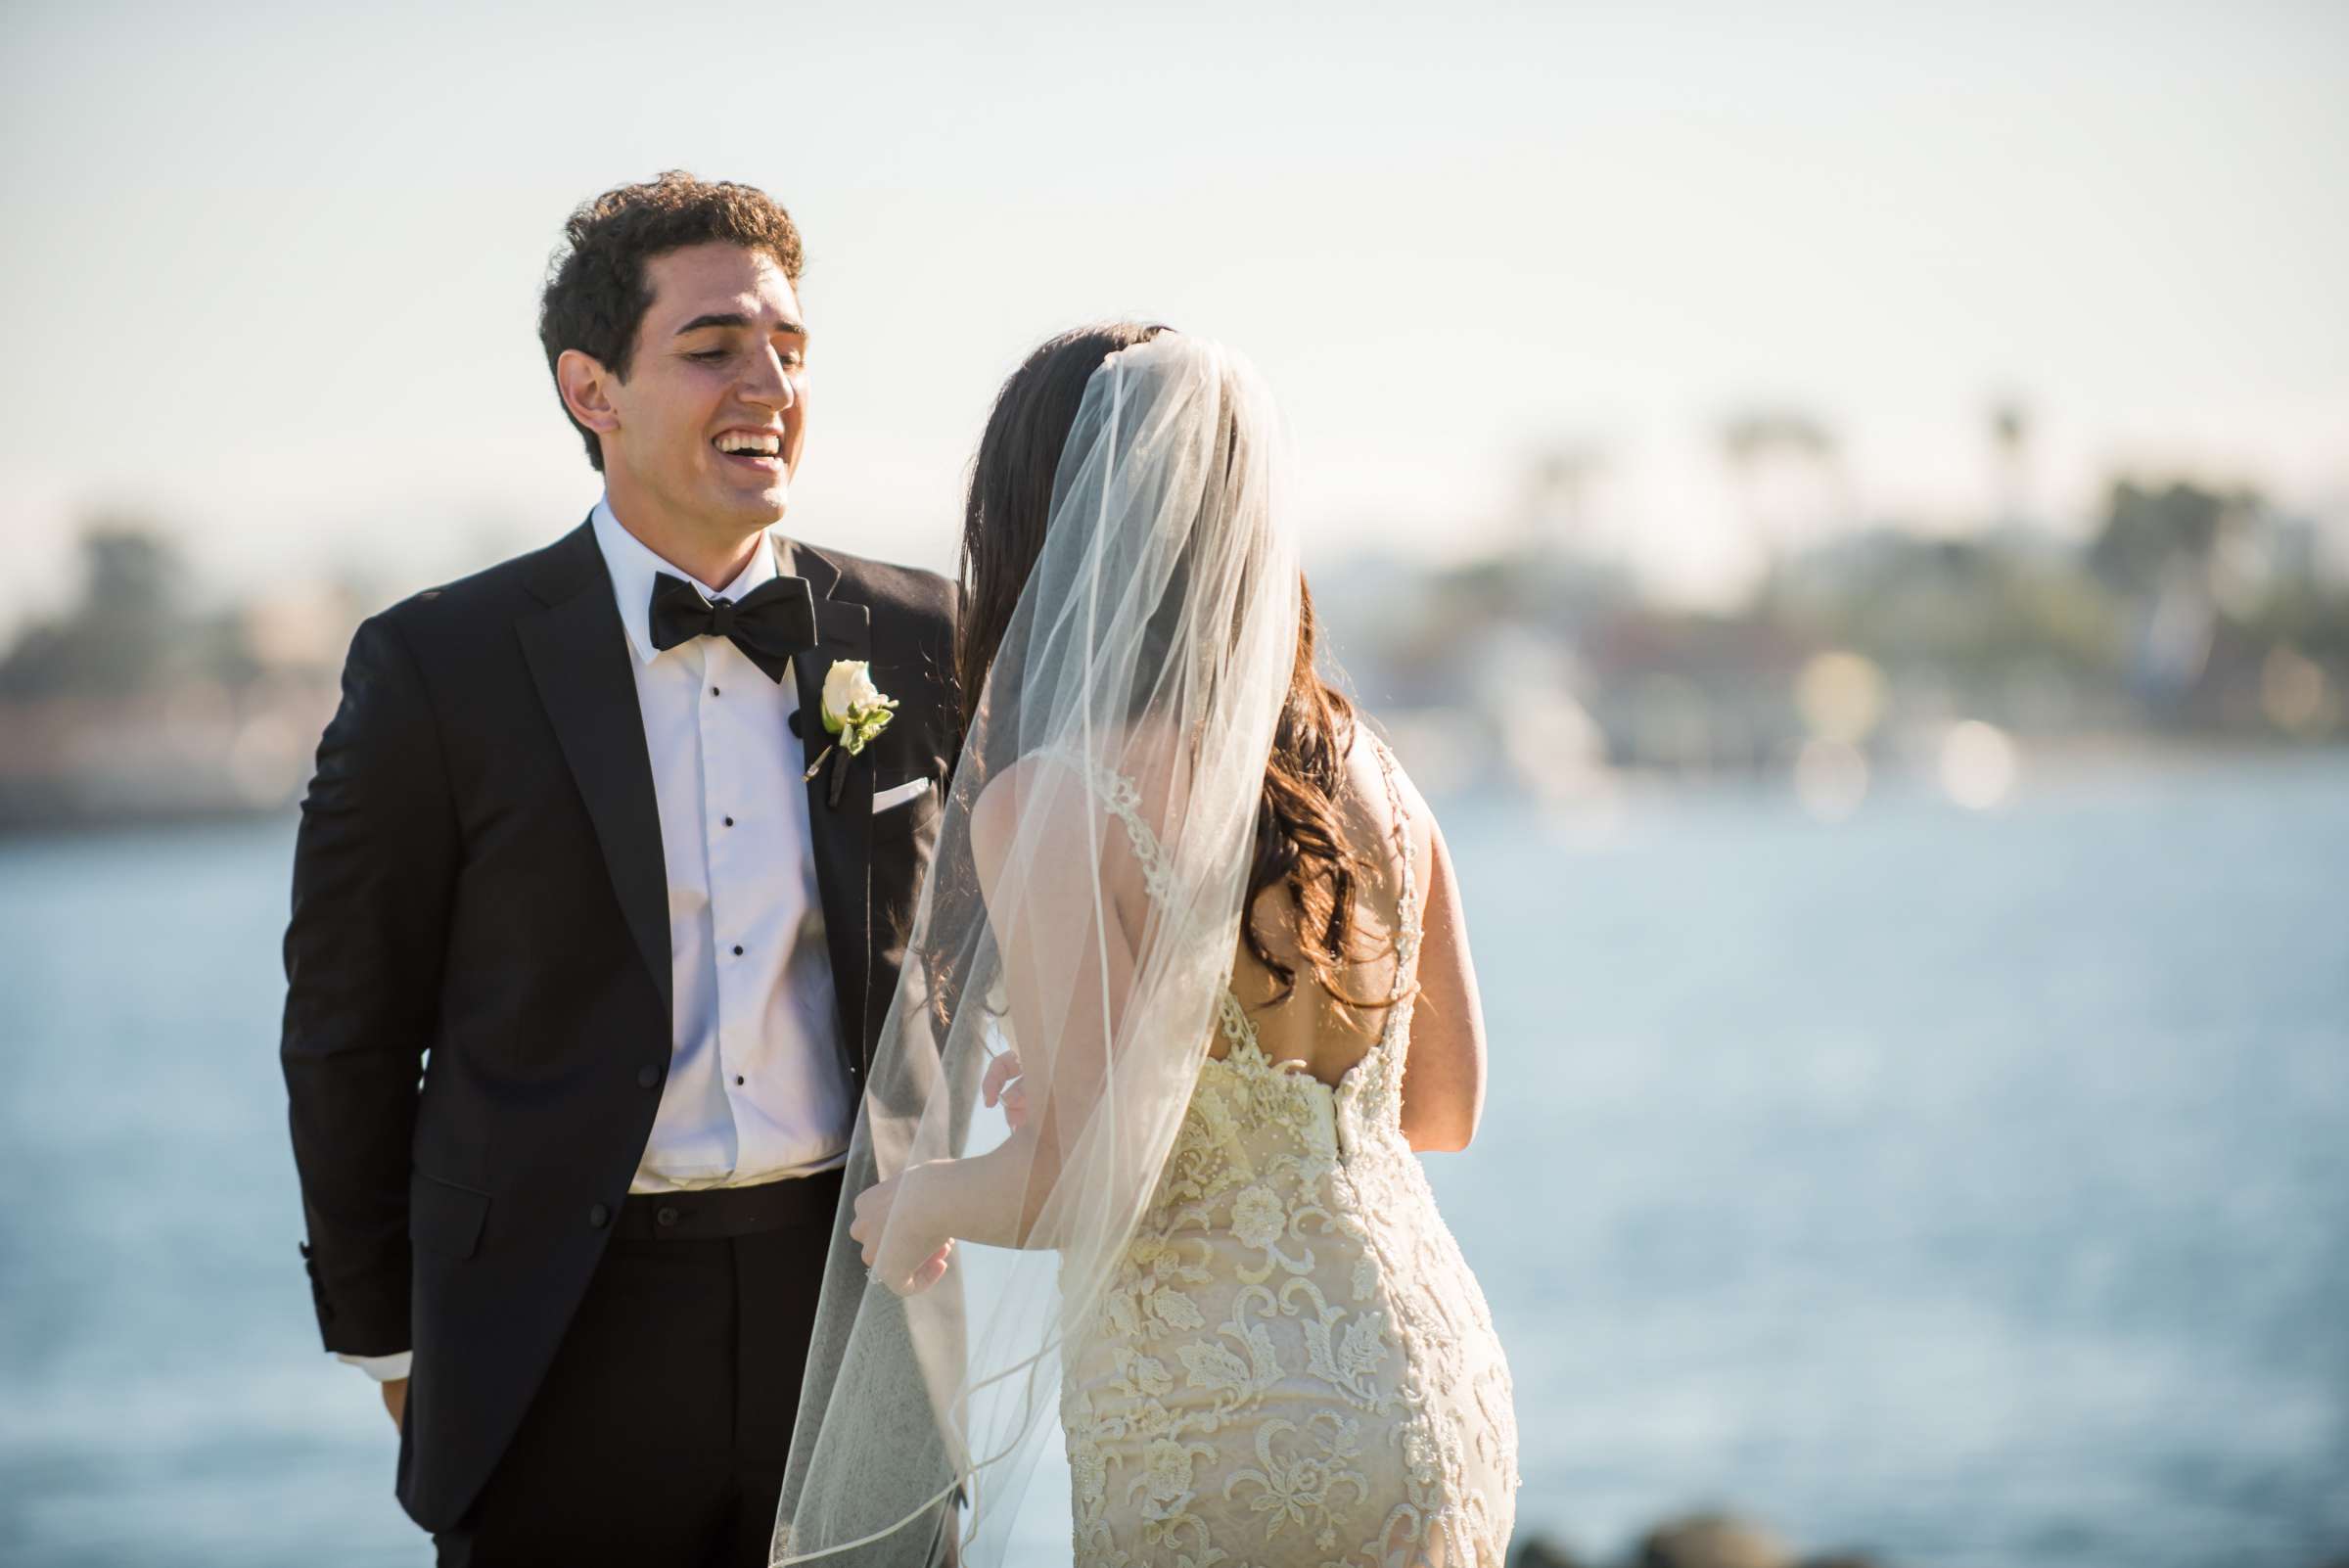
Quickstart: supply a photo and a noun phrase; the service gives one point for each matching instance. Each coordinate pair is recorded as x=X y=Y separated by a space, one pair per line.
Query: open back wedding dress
x=1292 y=1363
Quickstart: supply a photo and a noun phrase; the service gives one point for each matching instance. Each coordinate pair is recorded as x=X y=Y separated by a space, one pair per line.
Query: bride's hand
x=1003 y=1082
x=903 y=1256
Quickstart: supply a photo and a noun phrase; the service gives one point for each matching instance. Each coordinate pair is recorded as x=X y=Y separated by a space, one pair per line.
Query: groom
x=582 y=977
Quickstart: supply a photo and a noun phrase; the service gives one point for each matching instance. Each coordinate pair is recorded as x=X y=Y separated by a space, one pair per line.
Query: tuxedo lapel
x=579 y=656
x=842 y=830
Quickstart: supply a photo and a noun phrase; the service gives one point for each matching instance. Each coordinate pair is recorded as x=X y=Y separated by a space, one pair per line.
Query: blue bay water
x=1973 y=1188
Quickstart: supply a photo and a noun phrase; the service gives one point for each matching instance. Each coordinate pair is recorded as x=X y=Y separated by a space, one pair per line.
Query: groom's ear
x=586 y=389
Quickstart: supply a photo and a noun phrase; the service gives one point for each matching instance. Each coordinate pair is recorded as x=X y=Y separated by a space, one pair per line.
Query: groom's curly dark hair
x=596 y=292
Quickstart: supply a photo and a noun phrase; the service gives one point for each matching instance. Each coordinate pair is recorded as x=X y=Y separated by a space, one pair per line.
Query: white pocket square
x=899 y=793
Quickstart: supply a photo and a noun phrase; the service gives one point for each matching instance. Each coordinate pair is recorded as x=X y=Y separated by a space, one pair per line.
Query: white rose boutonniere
x=854 y=710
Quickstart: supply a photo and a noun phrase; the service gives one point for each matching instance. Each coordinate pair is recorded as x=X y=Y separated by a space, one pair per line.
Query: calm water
x=1974 y=1189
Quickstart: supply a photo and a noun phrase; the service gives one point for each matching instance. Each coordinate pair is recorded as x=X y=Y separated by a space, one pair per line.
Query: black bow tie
x=774 y=621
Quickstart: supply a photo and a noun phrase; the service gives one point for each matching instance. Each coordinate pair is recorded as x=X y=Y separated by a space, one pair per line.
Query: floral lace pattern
x=1294 y=1364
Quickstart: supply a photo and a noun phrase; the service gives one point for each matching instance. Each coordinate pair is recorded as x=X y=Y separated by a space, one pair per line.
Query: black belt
x=710 y=1212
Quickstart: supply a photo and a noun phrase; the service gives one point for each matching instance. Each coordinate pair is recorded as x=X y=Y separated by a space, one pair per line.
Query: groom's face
x=714 y=410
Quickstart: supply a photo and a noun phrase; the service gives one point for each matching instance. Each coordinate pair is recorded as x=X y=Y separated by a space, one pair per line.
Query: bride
x=1193 y=929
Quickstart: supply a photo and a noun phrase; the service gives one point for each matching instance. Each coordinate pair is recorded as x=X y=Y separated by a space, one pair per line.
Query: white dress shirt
x=756 y=1088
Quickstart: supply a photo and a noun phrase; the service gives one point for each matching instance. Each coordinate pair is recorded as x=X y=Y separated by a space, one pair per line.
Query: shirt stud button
x=714 y=691
x=738 y=950
x=729 y=821
x=738 y=1080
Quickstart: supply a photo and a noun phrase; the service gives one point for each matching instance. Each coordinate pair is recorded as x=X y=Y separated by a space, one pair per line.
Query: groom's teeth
x=766 y=445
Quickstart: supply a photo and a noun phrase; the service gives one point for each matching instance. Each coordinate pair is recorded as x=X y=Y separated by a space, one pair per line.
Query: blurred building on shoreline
x=2189 y=618
x=134 y=707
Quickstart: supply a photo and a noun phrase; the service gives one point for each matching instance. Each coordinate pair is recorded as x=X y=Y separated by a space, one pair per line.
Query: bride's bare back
x=1443 y=1083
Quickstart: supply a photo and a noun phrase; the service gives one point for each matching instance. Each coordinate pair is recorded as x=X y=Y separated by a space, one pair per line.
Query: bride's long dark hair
x=1004 y=518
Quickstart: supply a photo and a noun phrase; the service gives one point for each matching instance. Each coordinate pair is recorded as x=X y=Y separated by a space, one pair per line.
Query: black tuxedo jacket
x=478 y=1007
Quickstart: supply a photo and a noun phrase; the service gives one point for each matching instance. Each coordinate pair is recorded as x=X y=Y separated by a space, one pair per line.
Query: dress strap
x=1122 y=797
x=1406 y=939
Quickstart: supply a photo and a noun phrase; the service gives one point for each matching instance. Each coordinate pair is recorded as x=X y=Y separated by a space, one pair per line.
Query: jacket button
x=667 y=1216
x=599 y=1217
x=647 y=1075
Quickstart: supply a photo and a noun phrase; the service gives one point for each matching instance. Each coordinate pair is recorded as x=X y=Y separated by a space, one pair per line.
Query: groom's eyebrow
x=735 y=318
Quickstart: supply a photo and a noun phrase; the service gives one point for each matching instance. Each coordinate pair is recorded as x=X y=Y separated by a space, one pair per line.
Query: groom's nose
x=767 y=382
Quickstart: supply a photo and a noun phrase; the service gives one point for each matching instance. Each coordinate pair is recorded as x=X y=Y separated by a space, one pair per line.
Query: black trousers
x=658 y=1437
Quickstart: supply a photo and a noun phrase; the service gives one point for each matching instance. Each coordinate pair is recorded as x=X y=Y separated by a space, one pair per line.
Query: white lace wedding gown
x=1294 y=1366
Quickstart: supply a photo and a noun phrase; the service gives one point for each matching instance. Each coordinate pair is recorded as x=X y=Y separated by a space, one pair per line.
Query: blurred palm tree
x=1553 y=507
x=1758 y=439
x=2010 y=447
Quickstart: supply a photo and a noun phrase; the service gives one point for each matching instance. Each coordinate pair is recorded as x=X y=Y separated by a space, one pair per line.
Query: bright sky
x=271 y=272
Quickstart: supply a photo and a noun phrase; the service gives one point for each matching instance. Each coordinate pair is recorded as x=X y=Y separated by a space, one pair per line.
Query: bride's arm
x=1068 y=969
x=1444 y=1072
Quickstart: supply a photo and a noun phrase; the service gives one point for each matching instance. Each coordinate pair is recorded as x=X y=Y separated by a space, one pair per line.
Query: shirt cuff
x=382 y=1368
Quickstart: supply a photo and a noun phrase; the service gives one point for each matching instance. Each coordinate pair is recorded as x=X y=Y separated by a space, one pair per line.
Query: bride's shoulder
x=1372 y=768
x=1053 y=793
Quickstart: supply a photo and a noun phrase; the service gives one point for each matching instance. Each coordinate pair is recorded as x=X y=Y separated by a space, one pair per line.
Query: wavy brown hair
x=1006 y=515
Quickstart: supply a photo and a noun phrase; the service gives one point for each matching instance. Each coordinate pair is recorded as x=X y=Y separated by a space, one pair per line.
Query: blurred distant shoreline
x=2046 y=764
x=2190 y=621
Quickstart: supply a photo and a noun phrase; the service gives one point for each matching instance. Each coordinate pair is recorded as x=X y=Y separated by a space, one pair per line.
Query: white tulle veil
x=1083 y=909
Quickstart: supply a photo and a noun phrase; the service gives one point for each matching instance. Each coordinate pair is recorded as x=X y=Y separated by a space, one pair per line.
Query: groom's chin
x=762 y=508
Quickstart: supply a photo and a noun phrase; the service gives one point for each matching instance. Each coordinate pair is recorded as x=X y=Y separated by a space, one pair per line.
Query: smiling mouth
x=763 y=451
